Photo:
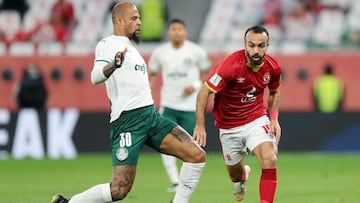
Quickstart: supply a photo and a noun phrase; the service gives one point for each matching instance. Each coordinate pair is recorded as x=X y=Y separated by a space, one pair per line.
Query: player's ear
x=120 y=20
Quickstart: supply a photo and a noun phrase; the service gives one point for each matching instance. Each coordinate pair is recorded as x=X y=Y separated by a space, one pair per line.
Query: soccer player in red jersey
x=239 y=82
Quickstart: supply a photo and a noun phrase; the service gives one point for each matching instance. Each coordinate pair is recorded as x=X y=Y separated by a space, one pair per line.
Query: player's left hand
x=276 y=130
x=119 y=58
x=199 y=135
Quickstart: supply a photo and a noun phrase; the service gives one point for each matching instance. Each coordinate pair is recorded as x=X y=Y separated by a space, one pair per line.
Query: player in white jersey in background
x=134 y=120
x=184 y=66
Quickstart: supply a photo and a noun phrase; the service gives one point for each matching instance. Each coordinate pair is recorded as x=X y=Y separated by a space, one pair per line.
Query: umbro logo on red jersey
x=241 y=80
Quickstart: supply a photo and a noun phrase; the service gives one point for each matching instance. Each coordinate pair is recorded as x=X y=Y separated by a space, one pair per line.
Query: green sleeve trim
x=102 y=61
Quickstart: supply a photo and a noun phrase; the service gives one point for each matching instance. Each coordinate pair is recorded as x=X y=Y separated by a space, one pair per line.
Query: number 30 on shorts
x=125 y=139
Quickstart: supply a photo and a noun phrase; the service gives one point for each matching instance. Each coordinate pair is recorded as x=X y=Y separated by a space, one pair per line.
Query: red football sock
x=268 y=183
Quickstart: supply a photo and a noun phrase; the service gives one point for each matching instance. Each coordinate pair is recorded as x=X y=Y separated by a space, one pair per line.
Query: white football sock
x=189 y=177
x=171 y=167
x=96 y=194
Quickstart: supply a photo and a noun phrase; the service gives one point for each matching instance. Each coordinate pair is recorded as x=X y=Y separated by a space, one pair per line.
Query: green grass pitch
x=302 y=178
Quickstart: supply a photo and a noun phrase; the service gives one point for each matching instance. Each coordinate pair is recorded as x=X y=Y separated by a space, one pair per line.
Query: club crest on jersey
x=122 y=153
x=187 y=62
x=266 y=78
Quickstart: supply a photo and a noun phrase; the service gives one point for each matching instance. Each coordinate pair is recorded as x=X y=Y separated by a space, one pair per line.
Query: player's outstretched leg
x=58 y=198
x=96 y=194
x=180 y=144
x=189 y=177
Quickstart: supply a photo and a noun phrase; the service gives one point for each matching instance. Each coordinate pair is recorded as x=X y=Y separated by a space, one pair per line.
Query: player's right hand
x=119 y=58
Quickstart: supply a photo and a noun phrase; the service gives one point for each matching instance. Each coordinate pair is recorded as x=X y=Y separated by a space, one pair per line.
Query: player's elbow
x=97 y=77
x=274 y=91
x=94 y=80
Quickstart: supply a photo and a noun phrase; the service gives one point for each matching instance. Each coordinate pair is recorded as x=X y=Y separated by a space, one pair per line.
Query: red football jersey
x=239 y=97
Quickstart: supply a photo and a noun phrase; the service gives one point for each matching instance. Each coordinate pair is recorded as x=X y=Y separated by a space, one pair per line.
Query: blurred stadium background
x=304 y=35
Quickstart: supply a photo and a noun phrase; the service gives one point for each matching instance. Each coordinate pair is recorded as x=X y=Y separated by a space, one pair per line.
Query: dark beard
x=256 y=63
x=253 y=62
x=136 y=38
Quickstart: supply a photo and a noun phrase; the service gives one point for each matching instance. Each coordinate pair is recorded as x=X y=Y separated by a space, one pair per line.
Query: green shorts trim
x=135 y=128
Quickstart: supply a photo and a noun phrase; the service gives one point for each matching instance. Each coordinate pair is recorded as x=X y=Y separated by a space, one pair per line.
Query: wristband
x=197 y=84
x=274 y=115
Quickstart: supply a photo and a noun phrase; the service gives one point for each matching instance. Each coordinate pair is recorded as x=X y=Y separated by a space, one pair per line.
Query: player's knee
x=118 y=191
x=272 y=160
x=199 y=156
x=269 y=161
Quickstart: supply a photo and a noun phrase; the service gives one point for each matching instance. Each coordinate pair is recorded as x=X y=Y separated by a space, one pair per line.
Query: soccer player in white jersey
x=239 y=82
x=134 y=120
x=184 y=66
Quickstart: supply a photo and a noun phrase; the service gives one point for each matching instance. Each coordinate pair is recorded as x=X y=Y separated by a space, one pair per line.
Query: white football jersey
x=180 y=68
x=128 y=87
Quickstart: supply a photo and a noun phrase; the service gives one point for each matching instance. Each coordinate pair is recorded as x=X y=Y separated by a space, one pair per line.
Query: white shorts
x=236 y=141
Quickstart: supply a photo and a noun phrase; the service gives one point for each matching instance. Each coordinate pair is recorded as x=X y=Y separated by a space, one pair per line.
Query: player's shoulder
x=236 y=57
x=193 y=46
x=191 y=43
x=162 y=48
x=106 y=40
x=238 y=53
x=233 y=61
x=104 y=43
x=273 y=62
x=112 y=40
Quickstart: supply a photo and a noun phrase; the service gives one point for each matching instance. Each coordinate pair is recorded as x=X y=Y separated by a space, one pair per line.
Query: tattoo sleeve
x=181 y=134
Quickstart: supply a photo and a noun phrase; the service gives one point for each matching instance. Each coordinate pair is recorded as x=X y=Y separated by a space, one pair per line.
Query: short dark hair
x=177 y=20
x=257 y=29
x=328 y=70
